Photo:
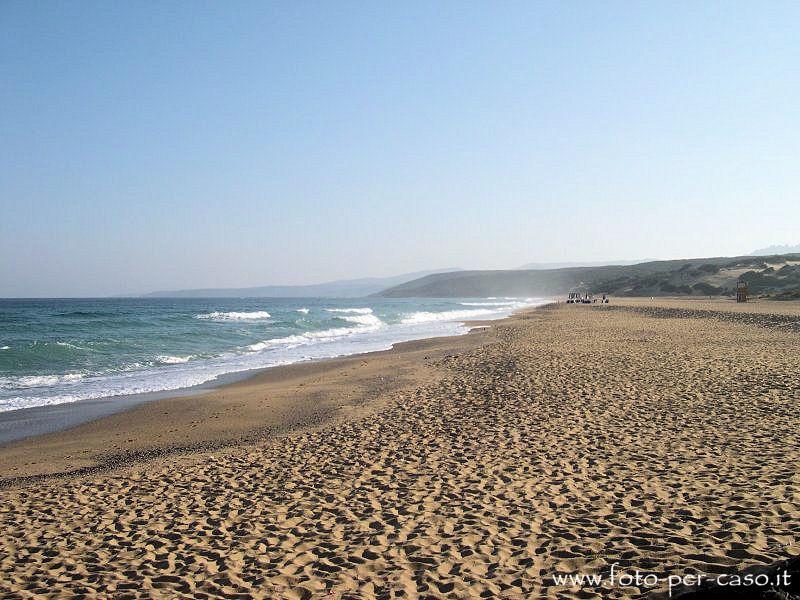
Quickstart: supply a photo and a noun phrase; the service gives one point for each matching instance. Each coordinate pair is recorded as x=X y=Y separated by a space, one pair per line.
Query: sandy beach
x=658 y=435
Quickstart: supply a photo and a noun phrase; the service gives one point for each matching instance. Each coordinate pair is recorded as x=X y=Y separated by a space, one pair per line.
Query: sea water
x=62 y=350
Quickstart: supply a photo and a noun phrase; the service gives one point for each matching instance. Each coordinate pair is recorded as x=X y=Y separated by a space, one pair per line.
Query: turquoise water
x=56 y=351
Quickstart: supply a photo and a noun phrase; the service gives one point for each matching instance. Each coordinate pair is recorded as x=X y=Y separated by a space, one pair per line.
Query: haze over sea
x=54 y=351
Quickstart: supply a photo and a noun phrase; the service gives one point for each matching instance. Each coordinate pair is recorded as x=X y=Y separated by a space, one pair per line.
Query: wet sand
x=662 y=435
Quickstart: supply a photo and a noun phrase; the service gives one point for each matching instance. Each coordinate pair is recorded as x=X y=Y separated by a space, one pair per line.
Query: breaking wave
x=172 y=360
x=235 y=316
x=365 y=320
x=28 y=381
x=510 y=303
x=447 y=315
x=364 y=323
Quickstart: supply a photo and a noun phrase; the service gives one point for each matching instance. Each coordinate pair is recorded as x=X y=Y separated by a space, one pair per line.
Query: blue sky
x=189 y=144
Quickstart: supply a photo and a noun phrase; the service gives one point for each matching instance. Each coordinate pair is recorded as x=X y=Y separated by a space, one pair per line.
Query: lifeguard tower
x=741 y=291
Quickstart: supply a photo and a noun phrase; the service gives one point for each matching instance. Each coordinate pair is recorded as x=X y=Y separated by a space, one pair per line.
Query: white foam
x=303 y=310
x=365 y=320
x=302 y=338
x=364 y=323
x=288 y=340
x=235 y=316
x=488 y=303
x=357 y=311
x=29 y=381
x=68 y=345
x=5 y=348
x=173 y=360
x=507 y=302
x=490 y=310
x=447 y=315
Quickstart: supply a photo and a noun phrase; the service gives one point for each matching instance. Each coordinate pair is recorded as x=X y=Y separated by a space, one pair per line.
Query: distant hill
x=347 y=288
x=695 y=276
x=772 y=250
x=566 y=265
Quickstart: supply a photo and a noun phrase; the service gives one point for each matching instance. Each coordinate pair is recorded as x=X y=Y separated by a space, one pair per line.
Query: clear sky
x=165 y=145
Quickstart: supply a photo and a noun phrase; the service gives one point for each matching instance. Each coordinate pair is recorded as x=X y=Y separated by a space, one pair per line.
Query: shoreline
x=28 y=422
x=76 y=438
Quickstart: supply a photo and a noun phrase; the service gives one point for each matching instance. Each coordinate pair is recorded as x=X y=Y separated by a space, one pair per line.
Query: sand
x=563 y=440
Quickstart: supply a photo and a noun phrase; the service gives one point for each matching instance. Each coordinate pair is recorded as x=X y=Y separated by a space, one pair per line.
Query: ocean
x=54 y=351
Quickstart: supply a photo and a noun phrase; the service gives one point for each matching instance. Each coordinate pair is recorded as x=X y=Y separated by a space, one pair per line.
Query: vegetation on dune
x=787 y=295
x=767 y=276
x=776 y=277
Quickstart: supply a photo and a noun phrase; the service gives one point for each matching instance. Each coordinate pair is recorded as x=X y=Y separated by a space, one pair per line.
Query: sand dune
x=570 y=438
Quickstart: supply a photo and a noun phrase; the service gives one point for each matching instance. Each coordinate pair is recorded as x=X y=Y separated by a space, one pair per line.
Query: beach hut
x=741 y=291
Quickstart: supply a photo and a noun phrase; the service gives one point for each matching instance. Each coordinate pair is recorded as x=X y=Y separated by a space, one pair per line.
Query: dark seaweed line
x=766 y=320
